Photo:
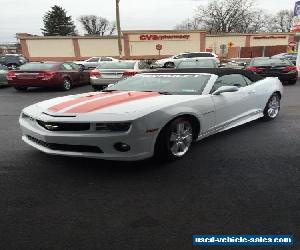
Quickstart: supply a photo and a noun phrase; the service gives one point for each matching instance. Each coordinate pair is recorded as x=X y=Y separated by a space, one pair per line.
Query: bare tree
x=189 y=24
x=97 y=25
x=222 y=16
x=282 y=21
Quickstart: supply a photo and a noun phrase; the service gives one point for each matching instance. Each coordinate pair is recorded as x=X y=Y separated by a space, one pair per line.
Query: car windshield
x=38 y=66
x=182 y=84
x=269 y=62
x=116 y=65
x=197 y=64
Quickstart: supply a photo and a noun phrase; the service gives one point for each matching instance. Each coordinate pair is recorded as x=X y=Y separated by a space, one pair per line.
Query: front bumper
x=141 y=143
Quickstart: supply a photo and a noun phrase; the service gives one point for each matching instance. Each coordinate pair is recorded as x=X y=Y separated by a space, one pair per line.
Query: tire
x=272 y=108
x=169 y=65
x=20 y=88
x=67 y=84
x=293 y=82
x=99 y=87
x=175 y=140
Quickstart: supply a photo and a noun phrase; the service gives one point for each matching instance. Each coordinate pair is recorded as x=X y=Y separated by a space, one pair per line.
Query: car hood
x=101 y=106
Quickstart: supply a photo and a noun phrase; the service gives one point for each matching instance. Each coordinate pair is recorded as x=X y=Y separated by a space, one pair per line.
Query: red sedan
x=47 y=74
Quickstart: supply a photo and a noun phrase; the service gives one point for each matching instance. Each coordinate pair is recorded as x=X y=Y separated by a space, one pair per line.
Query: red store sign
x=269 y=37
x=163 y=37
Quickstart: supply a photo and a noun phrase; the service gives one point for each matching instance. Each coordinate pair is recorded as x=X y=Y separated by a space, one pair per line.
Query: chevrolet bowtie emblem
x=51 y=127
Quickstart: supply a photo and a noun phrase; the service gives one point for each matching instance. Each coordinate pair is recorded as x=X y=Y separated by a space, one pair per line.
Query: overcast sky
x=26 y=15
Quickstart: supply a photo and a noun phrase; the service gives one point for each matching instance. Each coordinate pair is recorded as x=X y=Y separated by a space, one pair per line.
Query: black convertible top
x=216 y=71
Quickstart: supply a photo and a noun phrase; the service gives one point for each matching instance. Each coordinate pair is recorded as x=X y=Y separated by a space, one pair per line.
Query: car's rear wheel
x=67 y=84
x=20 y=88
x=99 y=87
x=272 y=108
x=292 y=82
x=175 y=140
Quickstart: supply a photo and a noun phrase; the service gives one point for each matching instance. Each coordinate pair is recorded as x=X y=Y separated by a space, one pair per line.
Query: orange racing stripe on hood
x=110 y=101
x=66 y=104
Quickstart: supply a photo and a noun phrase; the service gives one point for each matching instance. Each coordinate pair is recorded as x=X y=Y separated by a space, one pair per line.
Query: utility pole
x=119 y=28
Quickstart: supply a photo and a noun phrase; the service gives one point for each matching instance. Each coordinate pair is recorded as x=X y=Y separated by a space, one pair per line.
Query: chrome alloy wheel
x=67 y=84
x=181 y=138
x=273 y=106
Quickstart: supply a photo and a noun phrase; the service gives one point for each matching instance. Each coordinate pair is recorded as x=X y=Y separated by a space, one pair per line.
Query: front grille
x=59 y=126
x=64 y=147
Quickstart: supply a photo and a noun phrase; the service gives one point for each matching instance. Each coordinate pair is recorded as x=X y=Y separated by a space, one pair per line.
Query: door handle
x=251 y=92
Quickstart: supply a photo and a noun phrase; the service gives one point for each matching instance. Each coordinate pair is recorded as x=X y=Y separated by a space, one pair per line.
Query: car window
x=74 y=65
x=248 y=81
x=181 y=56
x=94 y=59
x=230 y=80
x=203 y=63
x=38 y=66
x=106 y=59
x=270 y=62
x=66 y=66
x=183 y=84
x=192 y=55
x=144 y=65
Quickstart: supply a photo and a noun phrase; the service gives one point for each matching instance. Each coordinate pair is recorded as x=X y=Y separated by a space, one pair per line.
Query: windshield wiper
x=165 y=93
x=108 y=90
x=160 y=92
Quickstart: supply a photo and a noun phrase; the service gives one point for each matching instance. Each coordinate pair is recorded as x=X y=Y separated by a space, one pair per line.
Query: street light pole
x=119 y=28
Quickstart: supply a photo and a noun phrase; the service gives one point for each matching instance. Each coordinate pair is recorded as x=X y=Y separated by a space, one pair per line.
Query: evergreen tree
x=57 y=23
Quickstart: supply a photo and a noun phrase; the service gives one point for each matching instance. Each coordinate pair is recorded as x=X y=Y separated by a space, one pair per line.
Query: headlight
x=113 y=127
x=25 y=116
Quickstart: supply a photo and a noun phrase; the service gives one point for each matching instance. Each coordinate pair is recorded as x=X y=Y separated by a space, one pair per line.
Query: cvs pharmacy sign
x=150 y=37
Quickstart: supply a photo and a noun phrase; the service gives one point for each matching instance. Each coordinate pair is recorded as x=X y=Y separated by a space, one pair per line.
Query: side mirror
x=243 y=64
x=226 y=89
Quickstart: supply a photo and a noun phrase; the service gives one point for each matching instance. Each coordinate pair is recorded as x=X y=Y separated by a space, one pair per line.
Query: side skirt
x=230 y=125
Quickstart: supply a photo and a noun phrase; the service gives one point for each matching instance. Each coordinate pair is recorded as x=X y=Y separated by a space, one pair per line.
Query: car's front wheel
x=169 y=65
x=175 y=140
x=272 y=108
x=20 y=88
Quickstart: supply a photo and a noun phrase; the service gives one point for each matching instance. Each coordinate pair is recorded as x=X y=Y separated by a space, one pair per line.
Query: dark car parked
x=284 y=69
x=12 y=61
x=48 y=74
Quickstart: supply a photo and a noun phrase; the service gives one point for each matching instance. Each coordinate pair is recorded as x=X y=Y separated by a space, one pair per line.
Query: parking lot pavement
x=241 y=181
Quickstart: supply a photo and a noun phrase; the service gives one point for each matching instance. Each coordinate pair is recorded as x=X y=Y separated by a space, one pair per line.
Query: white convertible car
x=151 y=114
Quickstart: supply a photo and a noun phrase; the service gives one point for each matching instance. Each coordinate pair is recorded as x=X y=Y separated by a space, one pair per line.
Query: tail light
x=289 y=68
x=95 y=73
x=46 y=75
x=129 y=73
x=10 y=75
x=254 y=69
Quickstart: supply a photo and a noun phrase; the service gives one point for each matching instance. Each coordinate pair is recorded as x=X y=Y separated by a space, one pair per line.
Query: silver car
x=93 y=62
x=112 y=72
x=198 y=63
x=3 y=73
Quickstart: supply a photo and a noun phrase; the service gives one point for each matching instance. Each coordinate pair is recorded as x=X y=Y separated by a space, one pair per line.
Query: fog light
x=122 y=147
